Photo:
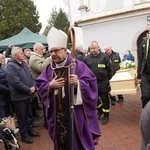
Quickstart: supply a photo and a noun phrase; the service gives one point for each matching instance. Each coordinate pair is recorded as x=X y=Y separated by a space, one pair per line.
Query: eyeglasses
x=55 y=50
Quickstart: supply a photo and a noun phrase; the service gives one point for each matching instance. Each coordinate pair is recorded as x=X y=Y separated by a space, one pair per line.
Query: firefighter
x=99 y=63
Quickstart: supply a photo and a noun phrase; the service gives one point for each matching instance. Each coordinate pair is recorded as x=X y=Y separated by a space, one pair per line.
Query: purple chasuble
x=86 y=126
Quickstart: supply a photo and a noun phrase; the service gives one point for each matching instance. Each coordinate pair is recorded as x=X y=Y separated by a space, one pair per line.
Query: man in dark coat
x=115 y=61
x=80 y=53
x=21 y=88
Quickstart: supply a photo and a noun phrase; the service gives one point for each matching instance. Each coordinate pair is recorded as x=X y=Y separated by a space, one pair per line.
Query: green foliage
x=59 y=20
x=52 y=17
x=17 y=14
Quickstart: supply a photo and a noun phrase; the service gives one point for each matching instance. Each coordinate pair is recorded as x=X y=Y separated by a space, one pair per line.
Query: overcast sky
x=44 y=8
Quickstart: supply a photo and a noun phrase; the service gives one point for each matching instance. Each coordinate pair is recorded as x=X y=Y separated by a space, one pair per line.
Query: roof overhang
x=112 y=17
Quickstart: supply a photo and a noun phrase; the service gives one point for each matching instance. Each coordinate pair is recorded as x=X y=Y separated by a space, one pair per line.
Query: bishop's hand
x=57 y=83
x=74 y=79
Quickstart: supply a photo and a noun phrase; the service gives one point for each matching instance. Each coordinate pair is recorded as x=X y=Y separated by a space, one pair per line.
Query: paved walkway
x=121 y=133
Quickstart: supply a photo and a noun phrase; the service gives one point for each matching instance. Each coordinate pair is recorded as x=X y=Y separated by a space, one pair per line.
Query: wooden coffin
x=124 y=82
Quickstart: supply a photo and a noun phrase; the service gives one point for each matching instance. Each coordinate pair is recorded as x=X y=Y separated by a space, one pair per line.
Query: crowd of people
x=27 y=77
x=18 y=95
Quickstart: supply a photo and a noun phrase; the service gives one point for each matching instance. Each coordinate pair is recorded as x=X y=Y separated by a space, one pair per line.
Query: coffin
x=124 y=82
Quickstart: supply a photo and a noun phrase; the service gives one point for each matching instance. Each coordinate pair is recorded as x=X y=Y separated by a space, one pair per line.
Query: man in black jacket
x=143 y=71
x=115 y=60
x=21 y=88
x=99 y=63
x=80 y=53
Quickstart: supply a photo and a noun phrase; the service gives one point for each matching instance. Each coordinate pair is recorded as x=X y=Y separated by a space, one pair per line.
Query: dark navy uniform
x=100 y=65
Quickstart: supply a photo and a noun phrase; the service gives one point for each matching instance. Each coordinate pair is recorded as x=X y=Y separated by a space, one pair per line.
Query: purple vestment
x=85 y=118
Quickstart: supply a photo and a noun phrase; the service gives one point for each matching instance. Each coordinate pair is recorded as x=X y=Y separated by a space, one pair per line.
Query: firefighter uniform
x=100 y=66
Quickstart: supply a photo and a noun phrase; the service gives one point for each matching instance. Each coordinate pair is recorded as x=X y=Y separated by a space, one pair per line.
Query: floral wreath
x=127 y=64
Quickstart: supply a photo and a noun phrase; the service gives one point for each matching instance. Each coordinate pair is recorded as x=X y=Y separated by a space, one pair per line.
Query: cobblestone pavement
x=121 y=133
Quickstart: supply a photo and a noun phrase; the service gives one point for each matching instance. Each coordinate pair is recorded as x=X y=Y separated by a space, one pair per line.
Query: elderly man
x=115 y=60
x=37 y=64
x=21 y=88
x=55 y=84
x=80 y=53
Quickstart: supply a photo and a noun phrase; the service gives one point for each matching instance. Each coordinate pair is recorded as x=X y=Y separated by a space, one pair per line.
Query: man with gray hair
x=115 y=60
x=80 y=52
x=21 y=89
x=37 y=64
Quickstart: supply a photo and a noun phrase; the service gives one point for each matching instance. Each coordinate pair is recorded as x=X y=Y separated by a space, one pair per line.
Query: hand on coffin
x=138 y=81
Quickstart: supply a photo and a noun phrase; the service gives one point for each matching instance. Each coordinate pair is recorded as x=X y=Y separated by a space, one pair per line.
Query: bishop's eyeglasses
x=56 y=50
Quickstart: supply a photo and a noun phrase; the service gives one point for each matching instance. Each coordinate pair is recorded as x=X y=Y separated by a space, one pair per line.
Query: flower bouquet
x=127 y=64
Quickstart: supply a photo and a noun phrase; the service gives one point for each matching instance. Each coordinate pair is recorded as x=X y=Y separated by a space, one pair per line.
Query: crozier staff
x=54 y=87
x=71 y=35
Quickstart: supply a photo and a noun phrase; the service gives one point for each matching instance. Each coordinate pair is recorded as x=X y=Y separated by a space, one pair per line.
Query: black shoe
x=27 y=140
x=113 y=102
x=34 y=125
x=99 y=114
x=105 y=120
x=34 y=134
x=120 y=100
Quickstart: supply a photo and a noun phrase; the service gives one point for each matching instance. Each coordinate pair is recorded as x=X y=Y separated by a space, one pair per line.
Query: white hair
x=37 y=45
x=79 y=47
x=107 y=47
x=14 y=51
